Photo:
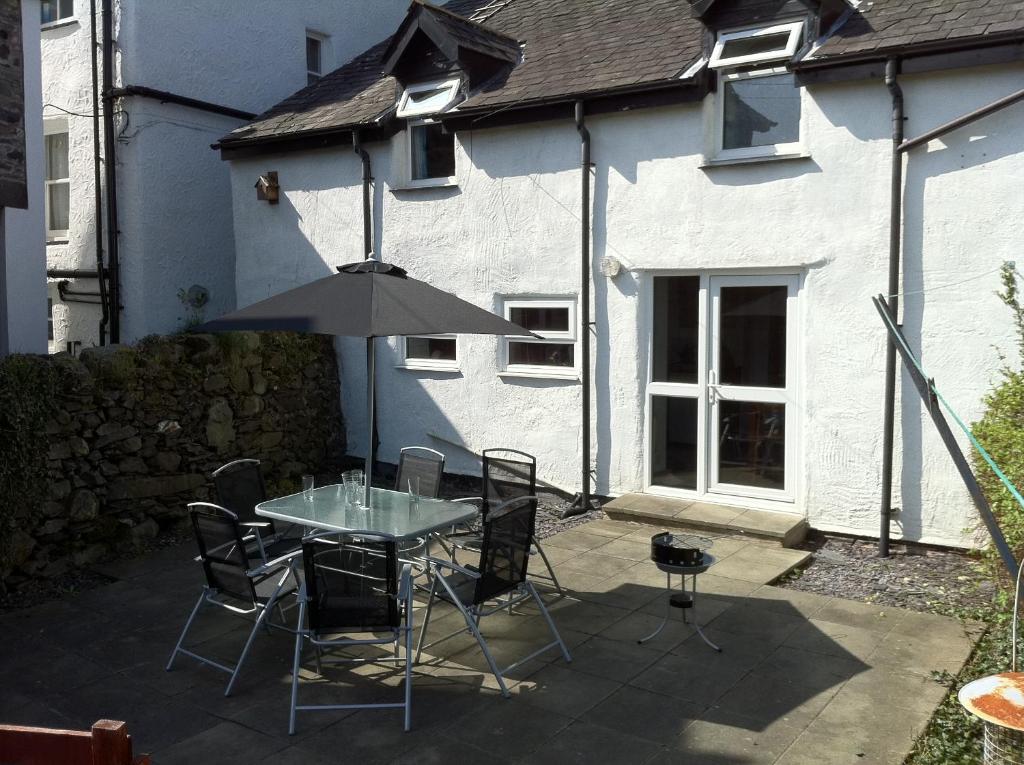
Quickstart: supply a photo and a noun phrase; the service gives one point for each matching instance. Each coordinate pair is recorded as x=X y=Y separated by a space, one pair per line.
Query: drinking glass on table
x=353 y=482
x=307 y=488
x=414 y=489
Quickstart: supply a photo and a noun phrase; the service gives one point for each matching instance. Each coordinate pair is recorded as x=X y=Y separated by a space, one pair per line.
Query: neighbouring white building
x=739 y=218
x=22 y=247
x=182 y=74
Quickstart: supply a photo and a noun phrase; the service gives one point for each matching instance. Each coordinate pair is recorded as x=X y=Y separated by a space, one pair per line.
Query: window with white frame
x=427 y=98
x=57 y=201
x=438 y=352
x=758 y=104
x=431 y=153
x=56 y=10
x=553 y=352
x=314 y=57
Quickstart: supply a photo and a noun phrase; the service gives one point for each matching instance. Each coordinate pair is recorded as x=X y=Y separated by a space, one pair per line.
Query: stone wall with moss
x=99 y=453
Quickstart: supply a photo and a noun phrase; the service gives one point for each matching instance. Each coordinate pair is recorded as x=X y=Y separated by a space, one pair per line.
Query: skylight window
x=428 y=98
x=751 y=46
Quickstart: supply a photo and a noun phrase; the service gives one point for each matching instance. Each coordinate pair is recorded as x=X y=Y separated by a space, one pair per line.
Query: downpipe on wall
x=895 y=241
x=113 y=255
x=583 y=502
x=97 y=184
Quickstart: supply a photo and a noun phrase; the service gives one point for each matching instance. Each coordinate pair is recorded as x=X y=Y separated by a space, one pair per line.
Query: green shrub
x=1001 y=429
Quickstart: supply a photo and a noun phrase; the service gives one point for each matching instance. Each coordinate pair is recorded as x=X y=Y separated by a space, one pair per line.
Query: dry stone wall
x=133 y=433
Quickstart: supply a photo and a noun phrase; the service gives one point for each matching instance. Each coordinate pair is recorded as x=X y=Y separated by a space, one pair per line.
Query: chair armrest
x=255 y=524
x=467 y=499
x=270 y=565
x=453 y=566
x=405 y=582
x=511 y=503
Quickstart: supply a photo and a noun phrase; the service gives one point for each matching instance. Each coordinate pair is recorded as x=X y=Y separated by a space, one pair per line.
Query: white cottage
x=169 y=78
x=689 y=203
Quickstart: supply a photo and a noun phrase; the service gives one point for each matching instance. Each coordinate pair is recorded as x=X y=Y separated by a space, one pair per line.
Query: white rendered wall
x=24 y=242
x=512 y=227
x=174 y=202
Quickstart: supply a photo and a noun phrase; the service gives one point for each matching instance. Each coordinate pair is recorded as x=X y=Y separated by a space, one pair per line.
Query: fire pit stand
x=664 y=547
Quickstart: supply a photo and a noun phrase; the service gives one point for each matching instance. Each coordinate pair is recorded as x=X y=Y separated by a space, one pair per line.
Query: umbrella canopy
x=366 y=299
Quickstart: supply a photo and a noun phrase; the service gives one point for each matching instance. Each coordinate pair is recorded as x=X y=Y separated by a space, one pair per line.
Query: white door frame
x=727 y=494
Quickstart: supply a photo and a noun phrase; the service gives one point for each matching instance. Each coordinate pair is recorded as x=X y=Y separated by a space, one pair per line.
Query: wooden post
x=110 y=743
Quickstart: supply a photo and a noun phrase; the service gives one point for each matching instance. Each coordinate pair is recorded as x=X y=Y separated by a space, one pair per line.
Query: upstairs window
x=431 y=154
x=427 y=98
x=57 y=201
x=758 y=103
x=314 y=57
x=553 y=352
x=56 y=10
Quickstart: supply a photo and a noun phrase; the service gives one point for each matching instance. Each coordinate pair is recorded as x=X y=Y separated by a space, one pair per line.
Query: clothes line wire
x=947 y=286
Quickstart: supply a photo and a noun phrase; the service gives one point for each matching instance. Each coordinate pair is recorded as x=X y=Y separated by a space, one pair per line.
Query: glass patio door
x=751 y=386
x=722 y=385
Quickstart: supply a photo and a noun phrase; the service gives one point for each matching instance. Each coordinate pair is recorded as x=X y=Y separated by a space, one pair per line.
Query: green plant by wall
x=1001 y=429
x=28 y=387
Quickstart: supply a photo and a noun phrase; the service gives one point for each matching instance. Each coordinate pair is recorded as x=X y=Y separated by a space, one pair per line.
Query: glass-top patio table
x=390 y=512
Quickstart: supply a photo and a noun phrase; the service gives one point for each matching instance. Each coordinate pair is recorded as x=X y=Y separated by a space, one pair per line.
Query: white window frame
x=61 y=20
x=790 y=149
x=405 y=111
x=434 y=365
x=322 y=39
x=567 y=337
x=55 y=127
x=424 y=182
x=793 y=28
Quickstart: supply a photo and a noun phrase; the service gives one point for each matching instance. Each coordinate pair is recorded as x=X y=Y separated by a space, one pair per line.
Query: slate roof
x=578 y=48
x=474 y=35
x=569 y=48
x=886 y=26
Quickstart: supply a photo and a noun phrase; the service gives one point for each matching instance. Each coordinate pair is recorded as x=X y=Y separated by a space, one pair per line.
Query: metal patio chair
x=352 y=585
x=240 y=487
x=232 y=580
x=507 y=474
x=496 y=583
x=423 y=463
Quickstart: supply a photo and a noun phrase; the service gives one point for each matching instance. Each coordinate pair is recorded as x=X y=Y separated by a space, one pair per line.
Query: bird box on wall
x=267 y=189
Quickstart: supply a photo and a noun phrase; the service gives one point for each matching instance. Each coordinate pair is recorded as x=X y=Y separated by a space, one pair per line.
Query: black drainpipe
x=581 y=502
x=895 y=239
x=97 y=184
x=111 y=176
x=357 y=147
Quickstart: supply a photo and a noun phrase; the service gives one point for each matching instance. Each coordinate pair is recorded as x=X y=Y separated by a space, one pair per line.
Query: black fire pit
x=679 y=549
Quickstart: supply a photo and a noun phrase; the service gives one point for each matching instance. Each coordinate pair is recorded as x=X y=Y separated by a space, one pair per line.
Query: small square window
x=760 y=111
x=431 y=154
x=553 y=352
x=314 y=58
x=438 y=352
x=56 y=10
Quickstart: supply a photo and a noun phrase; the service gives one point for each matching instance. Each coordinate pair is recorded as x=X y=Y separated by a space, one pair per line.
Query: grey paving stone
x=583 y=744
x=730 y=738
x=226 y=742
x=698 y=679
x=513 y=730
x=560 y=689
x=651 y=716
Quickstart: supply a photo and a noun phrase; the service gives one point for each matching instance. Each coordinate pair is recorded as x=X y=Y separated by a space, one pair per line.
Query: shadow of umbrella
x=369 y=299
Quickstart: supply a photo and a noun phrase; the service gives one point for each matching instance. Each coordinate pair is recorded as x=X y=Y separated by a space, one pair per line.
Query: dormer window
x=757 y=109
x=751 y=46
x=428 y=98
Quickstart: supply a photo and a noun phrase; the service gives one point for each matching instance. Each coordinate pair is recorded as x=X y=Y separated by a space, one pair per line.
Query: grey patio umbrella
x=367 y=299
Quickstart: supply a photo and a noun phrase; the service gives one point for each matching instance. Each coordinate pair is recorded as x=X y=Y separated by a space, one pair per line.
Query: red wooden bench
x=108 y=743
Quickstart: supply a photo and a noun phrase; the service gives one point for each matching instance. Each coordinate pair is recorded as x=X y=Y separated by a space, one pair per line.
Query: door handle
x=712 y=387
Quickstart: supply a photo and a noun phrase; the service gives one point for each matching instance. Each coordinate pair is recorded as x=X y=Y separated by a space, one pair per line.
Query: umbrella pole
x=370 y=415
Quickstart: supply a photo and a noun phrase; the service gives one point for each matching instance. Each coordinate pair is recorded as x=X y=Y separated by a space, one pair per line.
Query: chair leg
x=260 y=621
x=471 y=622
x=295 y=668
x=408 y=662
x=551 y=570
x=188 y=624
x=426 y=617
x=547 y=617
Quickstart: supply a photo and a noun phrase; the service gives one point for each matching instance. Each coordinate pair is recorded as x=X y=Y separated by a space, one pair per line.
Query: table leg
x=668 y=610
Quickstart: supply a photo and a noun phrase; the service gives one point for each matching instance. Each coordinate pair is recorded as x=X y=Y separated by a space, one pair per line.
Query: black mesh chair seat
x=236 y=579
x=351 y=586
x=499 y=579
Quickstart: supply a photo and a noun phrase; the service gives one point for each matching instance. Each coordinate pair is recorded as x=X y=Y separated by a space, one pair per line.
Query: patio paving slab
x=802 y=678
